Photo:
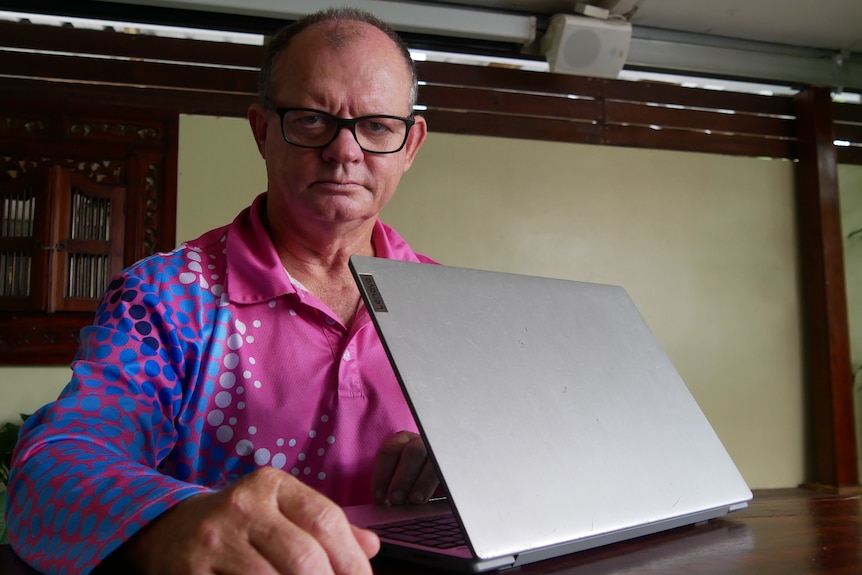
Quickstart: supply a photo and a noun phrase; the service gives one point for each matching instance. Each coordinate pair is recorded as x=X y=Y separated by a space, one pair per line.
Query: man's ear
x=417 y=136
x=257 y=120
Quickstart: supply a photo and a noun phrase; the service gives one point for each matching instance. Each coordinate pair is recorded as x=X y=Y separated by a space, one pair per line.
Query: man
x=233 y=393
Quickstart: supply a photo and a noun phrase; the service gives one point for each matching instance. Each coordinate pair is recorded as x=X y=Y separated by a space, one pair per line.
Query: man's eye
x=310 y=121
x=374 y=127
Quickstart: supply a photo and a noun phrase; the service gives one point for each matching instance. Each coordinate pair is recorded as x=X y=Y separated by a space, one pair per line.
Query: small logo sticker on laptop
x=372 y=293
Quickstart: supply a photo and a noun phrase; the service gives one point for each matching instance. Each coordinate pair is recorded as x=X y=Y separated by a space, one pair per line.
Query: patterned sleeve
x=85 y=475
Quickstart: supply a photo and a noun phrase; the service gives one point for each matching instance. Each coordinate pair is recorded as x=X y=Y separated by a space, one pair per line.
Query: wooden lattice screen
x=84 y=190
x=61 y=240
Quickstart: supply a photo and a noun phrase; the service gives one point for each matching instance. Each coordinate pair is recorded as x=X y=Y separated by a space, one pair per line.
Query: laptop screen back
x=549 y=407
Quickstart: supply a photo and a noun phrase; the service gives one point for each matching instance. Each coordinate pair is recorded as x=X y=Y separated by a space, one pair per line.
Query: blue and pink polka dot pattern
x=202 y=365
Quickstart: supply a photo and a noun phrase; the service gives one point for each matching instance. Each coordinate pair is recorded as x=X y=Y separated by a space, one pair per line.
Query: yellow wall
x=850 y=180
x=220 y=173
x=705 y=244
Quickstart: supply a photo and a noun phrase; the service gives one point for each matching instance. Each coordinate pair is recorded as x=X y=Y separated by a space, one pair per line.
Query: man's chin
x=344 y=210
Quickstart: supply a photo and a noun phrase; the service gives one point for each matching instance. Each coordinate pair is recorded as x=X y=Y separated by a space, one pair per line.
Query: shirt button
x=329 y=321
x=347 y=355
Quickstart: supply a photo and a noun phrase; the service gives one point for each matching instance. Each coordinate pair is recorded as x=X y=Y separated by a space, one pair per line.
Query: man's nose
x=345 y=146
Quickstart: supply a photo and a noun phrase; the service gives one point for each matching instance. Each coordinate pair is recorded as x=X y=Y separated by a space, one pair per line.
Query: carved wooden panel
x=123 y=148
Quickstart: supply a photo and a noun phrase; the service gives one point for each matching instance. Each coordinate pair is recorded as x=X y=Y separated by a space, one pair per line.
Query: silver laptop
x=555 y=420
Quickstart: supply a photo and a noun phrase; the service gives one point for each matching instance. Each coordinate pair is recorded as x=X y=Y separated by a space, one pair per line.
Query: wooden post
x=827 y=344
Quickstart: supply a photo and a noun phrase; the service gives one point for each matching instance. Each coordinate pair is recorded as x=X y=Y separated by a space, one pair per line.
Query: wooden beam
x=827 y=347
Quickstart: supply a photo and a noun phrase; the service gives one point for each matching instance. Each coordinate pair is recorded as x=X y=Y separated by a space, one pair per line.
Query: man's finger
x=327 y=542
x=368 y=541
x=411 y=464
x=425 y=485
x=387 y=462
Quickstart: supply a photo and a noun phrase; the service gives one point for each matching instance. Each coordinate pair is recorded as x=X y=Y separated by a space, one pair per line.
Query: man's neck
x=318 y=258
x=322 y=251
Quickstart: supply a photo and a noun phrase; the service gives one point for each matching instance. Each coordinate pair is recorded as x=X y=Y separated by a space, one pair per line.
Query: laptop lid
x=548 y=406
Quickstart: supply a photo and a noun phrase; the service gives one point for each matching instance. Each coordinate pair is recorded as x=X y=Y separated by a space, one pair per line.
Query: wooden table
x=783 y=532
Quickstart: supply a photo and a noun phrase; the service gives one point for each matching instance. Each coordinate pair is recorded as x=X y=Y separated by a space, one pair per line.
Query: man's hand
x=267 y=523
x=403 y=473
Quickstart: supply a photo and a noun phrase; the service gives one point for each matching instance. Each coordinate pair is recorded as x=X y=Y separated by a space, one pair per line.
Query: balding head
x=340 y=27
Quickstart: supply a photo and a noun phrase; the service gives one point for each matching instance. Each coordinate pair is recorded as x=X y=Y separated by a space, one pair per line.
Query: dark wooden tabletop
x=782 y=532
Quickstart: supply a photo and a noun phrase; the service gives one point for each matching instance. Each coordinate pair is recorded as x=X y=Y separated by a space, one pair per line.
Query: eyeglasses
x=310 y=128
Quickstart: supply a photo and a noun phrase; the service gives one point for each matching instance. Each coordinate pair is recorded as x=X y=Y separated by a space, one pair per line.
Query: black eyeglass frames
x=310 y=128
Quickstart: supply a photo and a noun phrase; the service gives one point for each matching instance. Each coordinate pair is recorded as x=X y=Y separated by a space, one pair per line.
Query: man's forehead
x=331 y=37
x=369 y=68
x=339 y=34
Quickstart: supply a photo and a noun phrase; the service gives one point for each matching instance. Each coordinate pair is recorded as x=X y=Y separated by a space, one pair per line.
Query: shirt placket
x=345 y=355
x=349 y=372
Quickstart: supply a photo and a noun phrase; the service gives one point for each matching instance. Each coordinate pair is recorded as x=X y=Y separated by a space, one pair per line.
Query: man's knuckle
x=328 y=520
x=308 y=557
x=209 y=536
x=240 y=504
x=266 y=476
x=415 y=449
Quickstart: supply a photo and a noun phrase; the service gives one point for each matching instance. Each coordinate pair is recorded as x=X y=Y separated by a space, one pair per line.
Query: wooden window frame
x=58 y=214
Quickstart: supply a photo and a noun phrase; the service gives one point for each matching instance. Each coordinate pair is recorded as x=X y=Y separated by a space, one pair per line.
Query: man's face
x=340 y=183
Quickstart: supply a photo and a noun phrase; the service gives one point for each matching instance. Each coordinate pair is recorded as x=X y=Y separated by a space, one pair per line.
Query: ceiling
x=787 y=42
x=830 y=24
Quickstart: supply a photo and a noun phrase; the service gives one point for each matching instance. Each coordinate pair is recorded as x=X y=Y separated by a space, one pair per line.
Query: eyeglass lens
x=316 y=129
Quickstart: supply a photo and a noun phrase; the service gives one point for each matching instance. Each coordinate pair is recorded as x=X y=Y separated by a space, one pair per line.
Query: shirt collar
x=254 y=270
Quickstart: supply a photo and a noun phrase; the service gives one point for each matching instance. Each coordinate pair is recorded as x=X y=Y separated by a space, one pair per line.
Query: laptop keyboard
x=438 y=531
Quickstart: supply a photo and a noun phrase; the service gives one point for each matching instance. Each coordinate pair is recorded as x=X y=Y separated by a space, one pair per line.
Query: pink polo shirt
x=203 y=364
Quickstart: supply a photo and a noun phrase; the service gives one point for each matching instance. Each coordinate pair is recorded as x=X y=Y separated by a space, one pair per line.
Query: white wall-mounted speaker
x=586 y=46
